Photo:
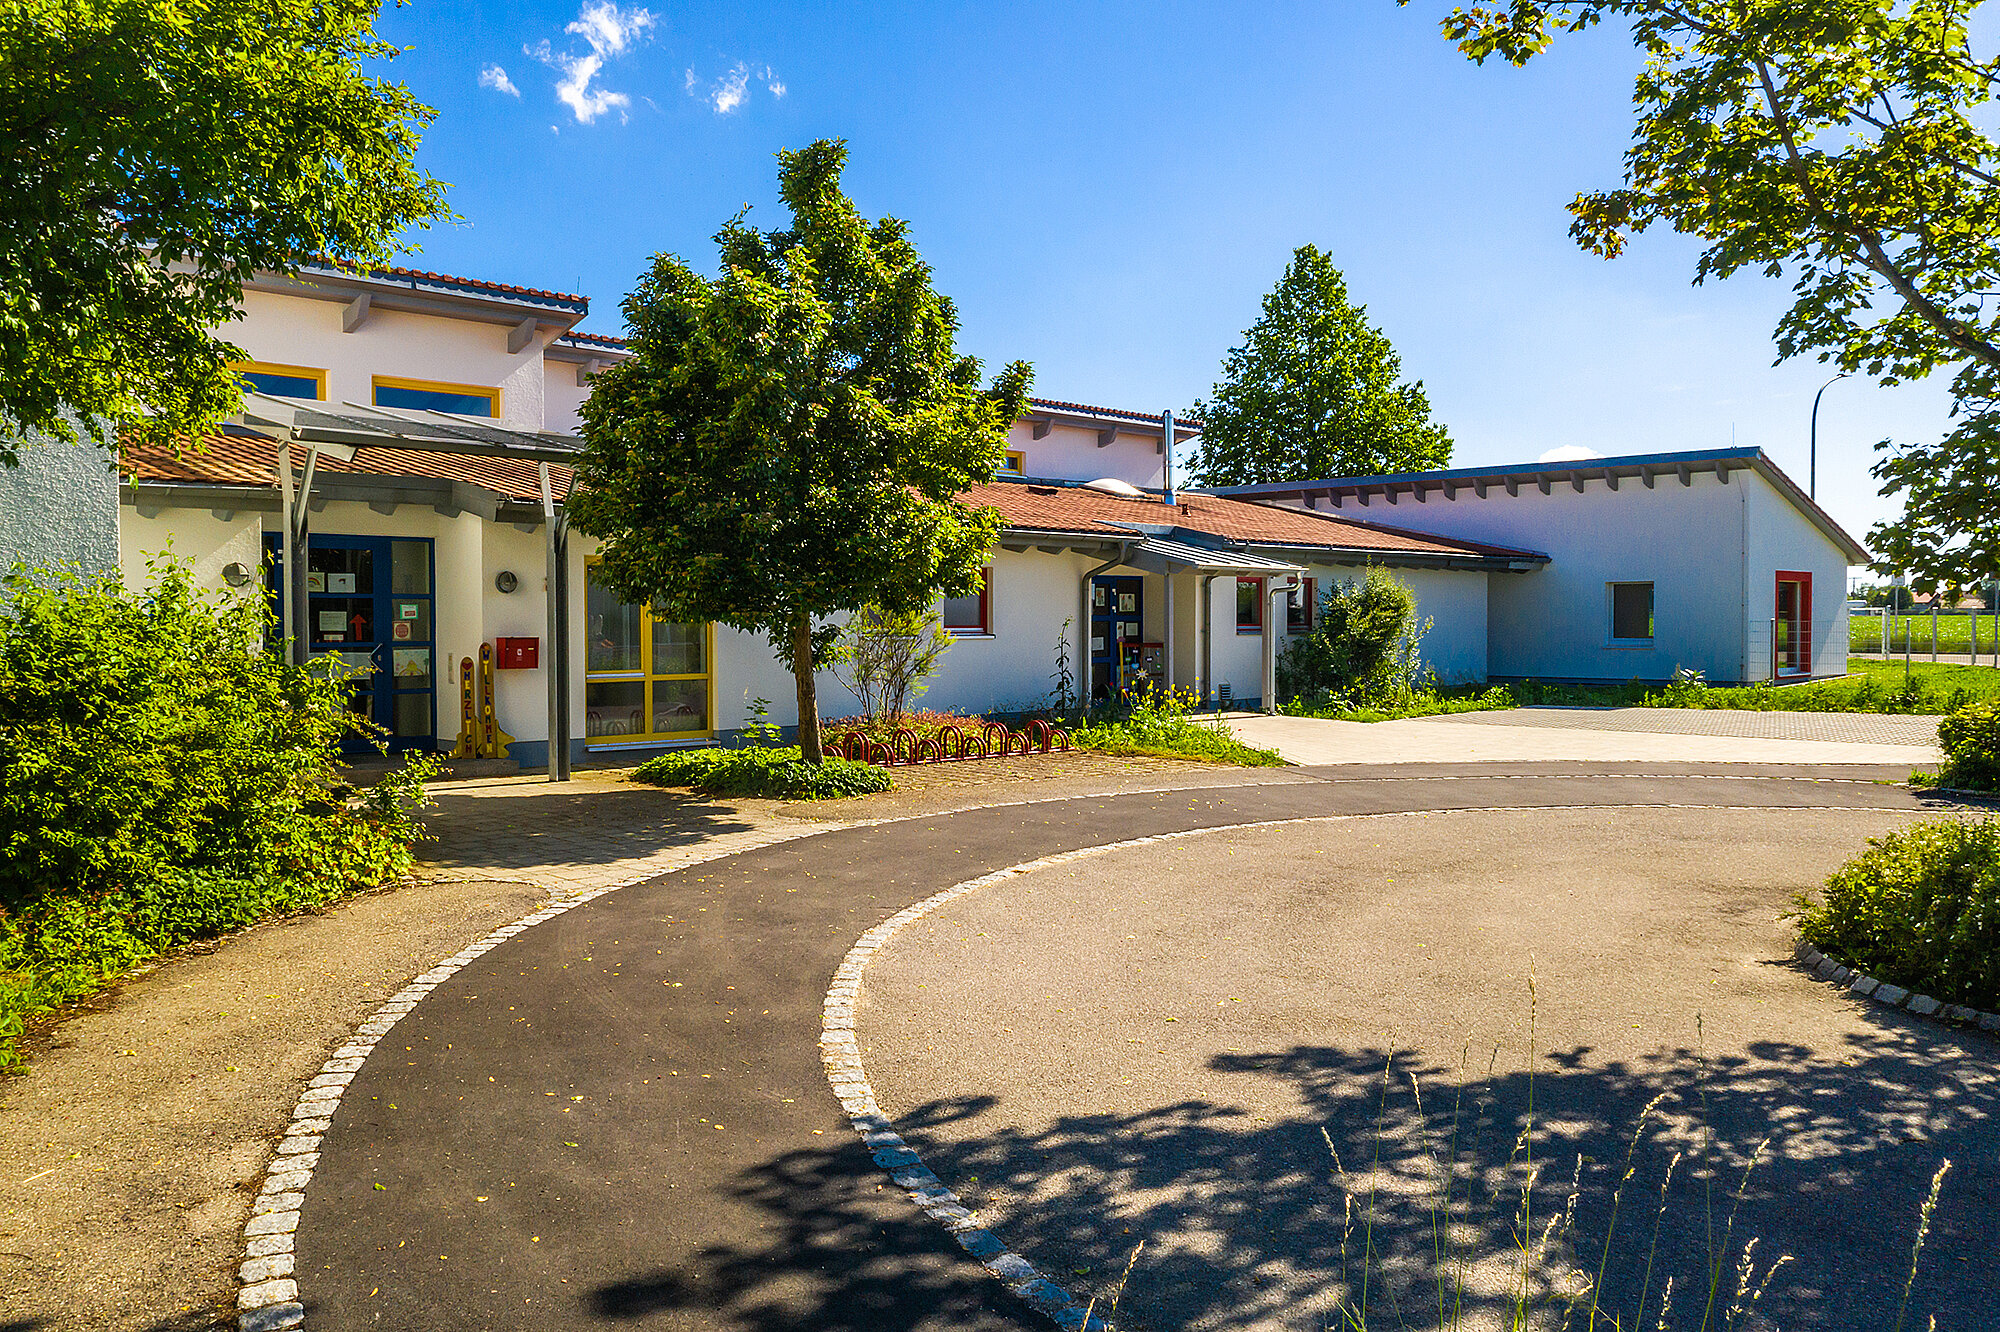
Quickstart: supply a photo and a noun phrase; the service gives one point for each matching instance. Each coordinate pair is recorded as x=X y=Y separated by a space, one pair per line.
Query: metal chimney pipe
x=1167 y=447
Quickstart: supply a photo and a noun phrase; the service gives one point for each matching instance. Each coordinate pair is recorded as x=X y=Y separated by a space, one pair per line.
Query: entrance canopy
x=1163 y=555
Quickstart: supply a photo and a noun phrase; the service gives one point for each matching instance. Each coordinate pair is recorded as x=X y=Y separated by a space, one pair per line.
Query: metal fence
x=1971 y=637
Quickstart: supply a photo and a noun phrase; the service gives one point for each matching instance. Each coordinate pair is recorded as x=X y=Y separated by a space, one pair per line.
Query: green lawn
x=1873 y=685
x=1954 y=634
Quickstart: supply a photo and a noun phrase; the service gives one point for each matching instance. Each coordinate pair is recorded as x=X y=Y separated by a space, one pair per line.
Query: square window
x=1632 y=612
x=1015 y=463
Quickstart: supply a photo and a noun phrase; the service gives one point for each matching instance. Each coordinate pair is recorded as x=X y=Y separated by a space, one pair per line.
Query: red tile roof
x=596 y=339
x=452 y=280
x=1150 y=418
x=239 y=460
x=1044 y=508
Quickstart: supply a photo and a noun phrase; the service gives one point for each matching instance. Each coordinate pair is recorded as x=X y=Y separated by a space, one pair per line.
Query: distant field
x=1874 y=685
x=1954 y=633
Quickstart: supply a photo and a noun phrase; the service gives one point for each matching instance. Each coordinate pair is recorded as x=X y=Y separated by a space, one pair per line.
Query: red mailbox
x=517 y=654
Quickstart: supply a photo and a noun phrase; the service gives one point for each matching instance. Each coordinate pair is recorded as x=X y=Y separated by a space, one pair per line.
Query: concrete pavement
x=1610 y=735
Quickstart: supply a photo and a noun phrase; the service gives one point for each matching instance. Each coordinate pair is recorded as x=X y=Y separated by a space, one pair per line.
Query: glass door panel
x=379 y=627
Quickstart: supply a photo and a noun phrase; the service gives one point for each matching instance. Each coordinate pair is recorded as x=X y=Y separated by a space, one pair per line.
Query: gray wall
x=60 y=506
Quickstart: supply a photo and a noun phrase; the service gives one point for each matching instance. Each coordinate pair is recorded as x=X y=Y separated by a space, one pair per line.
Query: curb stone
x=1892 y=996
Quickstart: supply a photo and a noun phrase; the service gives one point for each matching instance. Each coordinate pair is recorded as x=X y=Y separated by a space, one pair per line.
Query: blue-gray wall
x=60 y=506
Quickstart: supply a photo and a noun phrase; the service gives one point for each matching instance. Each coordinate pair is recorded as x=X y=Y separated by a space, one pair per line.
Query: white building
x=419 y=414
x=1711 y=559
x=428 y=408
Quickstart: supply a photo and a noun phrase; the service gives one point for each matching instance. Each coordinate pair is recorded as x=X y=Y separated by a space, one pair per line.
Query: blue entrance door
x=370 y=604
x=1117 y=612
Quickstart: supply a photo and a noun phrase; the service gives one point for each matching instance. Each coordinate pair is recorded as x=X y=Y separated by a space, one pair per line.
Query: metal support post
x=556 y=525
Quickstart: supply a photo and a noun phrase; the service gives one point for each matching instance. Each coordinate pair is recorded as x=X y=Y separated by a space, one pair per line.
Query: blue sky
x=1108 y=190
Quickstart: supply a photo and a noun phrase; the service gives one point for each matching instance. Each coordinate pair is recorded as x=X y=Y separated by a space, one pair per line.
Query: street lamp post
x=1812 y=473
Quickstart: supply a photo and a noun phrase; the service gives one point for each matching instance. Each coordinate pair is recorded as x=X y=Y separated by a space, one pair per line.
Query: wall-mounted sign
x=332 y=621
x=408 y=610
x=401 y=629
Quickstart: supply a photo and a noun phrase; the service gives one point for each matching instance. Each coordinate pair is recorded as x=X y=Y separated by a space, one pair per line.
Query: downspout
x=1276 y=595
x=1124 y=549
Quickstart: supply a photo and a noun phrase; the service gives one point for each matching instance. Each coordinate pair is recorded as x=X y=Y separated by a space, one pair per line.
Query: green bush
x=163 y=778
x=1363 y=652
x=1161 y=722
x=1920 y=909
x=774 y=774
x=1970 y=738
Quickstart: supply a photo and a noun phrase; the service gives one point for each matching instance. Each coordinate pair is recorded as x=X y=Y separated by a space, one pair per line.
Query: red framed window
x=1249 y=605
x=1791 y=623
x=971 y=614
x=1299 y=608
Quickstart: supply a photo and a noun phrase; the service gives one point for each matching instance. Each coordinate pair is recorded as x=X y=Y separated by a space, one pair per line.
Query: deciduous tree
x=790 y=439
x=153 y=155
x=1314 y=391
x=1837 y=143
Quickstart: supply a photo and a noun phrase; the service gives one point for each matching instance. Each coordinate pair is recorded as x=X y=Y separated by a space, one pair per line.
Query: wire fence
x=1972 y=636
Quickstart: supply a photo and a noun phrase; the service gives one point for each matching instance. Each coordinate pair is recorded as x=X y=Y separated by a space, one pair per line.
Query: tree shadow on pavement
x=526 y=826
x=1247 y=1222
x=845 y=1252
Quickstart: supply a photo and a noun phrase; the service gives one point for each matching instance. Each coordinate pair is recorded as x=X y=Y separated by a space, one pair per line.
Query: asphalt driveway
x=619 y=1117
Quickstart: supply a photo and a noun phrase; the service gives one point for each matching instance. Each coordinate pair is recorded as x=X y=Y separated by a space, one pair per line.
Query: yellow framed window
x=645 y=678
x=1015 y=465
x=282 y=381
x=432 y=395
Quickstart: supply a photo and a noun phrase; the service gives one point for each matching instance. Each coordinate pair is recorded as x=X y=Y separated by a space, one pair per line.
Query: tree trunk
x=802 y=672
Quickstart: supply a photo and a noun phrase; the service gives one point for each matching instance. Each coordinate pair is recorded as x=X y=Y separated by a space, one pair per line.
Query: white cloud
x=610 y=31
x=732 y=90
x=1569 y=453
x=496 y=78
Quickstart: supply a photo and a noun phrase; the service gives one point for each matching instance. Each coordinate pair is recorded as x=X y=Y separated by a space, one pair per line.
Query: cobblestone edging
x=1895 y=996
x=840 y=1051
x=268 y=1297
